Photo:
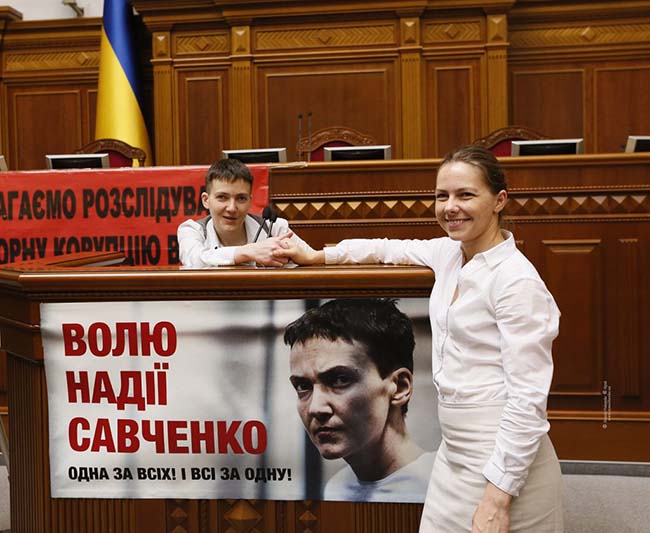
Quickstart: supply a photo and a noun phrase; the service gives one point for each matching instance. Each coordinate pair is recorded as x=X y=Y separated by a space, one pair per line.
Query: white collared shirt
x=199 y=246
x=492 y=344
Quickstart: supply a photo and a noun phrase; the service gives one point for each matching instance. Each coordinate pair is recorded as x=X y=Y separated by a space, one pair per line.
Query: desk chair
x=311 y=147
x=499 y=142
x=120 y=154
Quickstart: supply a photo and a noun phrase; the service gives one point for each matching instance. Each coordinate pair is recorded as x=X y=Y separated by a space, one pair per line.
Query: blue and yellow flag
x=119 y=102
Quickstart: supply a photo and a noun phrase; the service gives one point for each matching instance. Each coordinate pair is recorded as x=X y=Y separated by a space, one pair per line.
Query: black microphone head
x=274 y=215
x=267 y=213
x=299 y=115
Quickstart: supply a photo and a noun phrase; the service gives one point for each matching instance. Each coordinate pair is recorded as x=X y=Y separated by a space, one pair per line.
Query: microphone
x=299 y=136
x=273 y=217
x=267 y=213
x=309 y=137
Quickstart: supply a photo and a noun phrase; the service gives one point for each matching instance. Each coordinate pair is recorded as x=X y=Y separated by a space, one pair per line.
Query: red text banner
x=134 y=210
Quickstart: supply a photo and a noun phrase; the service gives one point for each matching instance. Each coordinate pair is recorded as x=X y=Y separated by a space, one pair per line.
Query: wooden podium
x=99 y=278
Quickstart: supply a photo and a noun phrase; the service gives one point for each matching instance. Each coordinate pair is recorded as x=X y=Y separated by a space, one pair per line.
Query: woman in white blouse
x=493 y=322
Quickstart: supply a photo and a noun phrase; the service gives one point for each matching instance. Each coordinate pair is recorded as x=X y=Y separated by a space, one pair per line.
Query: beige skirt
x=457 y=484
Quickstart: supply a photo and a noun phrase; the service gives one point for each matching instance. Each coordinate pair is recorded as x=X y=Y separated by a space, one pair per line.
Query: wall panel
x=631 y=317
x=549 y=100
x=325 y=36
x=453 y=93
x=203 y=120
x=621 y=109
x=357 y=95
x=606 y=43
x=574 y=275
x=44 y=122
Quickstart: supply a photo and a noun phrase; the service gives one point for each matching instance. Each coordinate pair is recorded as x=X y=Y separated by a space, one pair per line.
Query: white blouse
x=199 y=246
x=492 y=343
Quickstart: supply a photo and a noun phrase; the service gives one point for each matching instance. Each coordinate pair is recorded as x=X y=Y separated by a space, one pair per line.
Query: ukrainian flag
x=119 y=101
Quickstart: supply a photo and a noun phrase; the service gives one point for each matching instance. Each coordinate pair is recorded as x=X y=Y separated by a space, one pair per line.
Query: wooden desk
x=23 y=287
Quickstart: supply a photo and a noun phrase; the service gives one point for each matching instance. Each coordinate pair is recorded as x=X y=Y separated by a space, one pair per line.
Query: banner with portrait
x=193 y=399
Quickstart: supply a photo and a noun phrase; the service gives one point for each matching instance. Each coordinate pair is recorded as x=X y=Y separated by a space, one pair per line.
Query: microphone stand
x=299 y=136
x=267 y=213
x=309 y=137
x=272 y=218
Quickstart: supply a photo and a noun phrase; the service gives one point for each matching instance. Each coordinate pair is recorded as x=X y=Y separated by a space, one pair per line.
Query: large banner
x=203 y=399
x=137 y=211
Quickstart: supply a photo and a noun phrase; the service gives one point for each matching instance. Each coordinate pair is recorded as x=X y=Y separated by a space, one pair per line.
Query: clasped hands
x=273 y=252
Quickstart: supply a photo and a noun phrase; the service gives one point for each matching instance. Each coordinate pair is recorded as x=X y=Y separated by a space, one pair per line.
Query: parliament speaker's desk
x=25 y=287
x=583 y=221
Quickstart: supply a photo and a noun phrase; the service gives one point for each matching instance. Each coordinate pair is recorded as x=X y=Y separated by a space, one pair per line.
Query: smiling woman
x=493 y=322
x=468 y=207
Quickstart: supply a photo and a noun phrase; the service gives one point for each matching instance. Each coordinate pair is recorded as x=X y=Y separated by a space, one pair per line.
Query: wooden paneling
x=203 y=120
x=621 y=109
x=53 y=58
x=605 y=44
x=45 y=121
x=598 y=439
x=423 y=76
x=164 y=98
x=359 y=65
x=625 y=331
x=496 y=83
x=200 y=43
x=550 y=101
x=453 y=90
x=325 y=36
x=49 y=83
x=455 y=56
x=573 y=272
x=358 y=95
x=28 y=444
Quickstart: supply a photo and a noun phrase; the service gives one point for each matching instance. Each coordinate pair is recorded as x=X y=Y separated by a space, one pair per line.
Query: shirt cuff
x=331 y=255
x=224 y=256
x=506 y=482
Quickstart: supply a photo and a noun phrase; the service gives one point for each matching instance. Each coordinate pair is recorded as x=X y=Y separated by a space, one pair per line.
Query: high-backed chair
x=120 y=154
x=499 y=142
x=312 y=147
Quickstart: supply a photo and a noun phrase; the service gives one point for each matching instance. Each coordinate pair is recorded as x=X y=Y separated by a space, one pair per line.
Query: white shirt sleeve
x=528 y=321
x=195 y=251
x=390 y=251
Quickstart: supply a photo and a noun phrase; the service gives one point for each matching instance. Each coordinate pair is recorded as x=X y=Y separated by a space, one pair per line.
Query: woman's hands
x=267 y=252
x=493 y=512
x=277 y=251
x=300 y=256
